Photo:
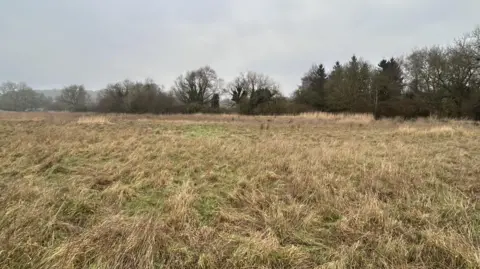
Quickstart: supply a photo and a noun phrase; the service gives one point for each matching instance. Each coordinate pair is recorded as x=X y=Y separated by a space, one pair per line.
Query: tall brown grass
x=206 y=191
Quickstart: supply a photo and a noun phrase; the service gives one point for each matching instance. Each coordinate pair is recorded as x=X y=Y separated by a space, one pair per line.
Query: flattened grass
x=202 y=191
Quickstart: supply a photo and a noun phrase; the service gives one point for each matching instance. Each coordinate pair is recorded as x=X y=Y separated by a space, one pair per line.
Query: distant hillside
x=55 y=92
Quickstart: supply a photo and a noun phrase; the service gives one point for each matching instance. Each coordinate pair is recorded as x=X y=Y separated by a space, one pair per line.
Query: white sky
x=53 y=43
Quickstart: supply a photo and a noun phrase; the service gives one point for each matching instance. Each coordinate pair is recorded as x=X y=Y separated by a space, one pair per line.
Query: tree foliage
x=439 y=80
x=349 y=87
x=312 y=89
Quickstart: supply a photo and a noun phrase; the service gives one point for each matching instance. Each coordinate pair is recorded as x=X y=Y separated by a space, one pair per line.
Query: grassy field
x=200 y=191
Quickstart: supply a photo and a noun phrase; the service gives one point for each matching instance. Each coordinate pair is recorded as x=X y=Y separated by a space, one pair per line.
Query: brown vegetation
x=406 y=109
x=228 y=191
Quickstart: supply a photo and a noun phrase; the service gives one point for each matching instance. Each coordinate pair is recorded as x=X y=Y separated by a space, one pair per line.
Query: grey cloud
x=51 y=43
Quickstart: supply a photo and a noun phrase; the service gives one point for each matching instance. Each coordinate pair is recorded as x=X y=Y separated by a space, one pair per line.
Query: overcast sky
x=52 y=43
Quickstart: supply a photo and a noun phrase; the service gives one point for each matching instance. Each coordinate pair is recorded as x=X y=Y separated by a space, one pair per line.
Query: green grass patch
x=207 y=207
x=147 y=202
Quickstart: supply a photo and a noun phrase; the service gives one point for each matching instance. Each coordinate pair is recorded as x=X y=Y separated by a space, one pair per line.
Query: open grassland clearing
x=228 y=191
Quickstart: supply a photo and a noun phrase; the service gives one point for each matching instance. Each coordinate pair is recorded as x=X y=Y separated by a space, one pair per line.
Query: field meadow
x=228 y=191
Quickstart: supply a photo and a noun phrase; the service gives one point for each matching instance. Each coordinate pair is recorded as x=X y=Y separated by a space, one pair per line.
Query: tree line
x=437 y=80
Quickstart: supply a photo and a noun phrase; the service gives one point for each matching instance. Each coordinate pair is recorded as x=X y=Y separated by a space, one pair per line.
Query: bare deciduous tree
x=134 y=97
x=74 y=97
x=246 y=84
x=237 y=89
x=197 y=86
x=18 y=97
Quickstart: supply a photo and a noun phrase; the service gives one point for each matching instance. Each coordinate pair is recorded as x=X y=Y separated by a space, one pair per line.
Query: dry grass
x=364 y=118
x=228 y=191
x=93 y=120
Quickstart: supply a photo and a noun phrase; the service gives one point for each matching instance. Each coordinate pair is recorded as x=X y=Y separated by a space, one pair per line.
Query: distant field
x=227 y=191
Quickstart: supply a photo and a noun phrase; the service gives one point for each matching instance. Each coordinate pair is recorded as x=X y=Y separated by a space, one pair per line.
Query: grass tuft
x=93 y=120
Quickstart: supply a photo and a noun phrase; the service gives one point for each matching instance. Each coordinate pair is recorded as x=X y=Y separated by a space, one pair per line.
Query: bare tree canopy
x=74 y=97
x=197 y=86
x=134 y=97
x=246 y=84
x=237 y=89
x=250 y=90
x=19 y=97
x=10 y=86
x=447 y=78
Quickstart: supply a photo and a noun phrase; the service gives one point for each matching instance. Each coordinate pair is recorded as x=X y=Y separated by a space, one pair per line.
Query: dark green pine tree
x=312 y=89
x=388 y=84
x=389 y=80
